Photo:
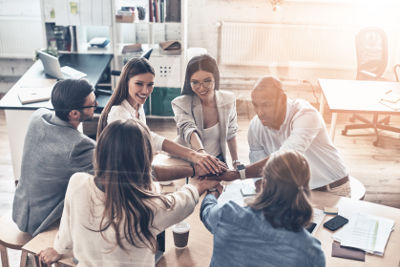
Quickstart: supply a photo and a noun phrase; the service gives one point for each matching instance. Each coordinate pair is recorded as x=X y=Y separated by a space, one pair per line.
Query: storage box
x=125 y=18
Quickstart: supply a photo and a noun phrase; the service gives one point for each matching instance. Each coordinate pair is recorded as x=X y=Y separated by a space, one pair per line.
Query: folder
x=347 y=252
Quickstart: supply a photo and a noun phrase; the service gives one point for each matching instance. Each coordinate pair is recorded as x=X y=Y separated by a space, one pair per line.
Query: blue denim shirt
x=243 y=237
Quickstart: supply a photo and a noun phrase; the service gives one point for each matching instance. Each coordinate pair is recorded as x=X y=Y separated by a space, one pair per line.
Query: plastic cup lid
x=181 y=227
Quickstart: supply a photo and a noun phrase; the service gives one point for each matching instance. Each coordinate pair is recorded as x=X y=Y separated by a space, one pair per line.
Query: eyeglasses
x=92 y=106
x=206 y=84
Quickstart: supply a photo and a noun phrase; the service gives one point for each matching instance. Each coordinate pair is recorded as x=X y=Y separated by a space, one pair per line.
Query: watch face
x=241 y=167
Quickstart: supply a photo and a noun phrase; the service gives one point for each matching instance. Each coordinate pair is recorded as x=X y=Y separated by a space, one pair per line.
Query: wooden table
x=199 y=250
x=354 y=96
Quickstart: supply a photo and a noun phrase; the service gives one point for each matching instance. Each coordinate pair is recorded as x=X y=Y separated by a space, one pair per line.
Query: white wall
x=204 y=16
x=20 y=28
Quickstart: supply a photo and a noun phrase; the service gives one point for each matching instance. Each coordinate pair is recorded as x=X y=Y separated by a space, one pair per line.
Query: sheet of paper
x=366 y=232
x=233 y=192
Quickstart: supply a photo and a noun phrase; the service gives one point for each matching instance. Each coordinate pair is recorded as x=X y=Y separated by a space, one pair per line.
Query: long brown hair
x=284 y=196
x=132 y=68
x=122 y=165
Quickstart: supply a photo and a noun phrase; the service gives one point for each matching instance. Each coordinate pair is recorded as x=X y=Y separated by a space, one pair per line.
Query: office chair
x=372 y=58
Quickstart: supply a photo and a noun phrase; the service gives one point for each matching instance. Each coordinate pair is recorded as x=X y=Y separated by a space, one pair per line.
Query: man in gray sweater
x=53 y=150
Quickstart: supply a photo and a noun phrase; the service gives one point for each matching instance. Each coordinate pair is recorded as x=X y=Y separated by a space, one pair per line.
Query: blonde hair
x=284 y=195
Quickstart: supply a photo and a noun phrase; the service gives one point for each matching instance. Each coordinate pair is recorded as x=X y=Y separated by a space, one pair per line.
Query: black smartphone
x=310 y=228
x=335 y=223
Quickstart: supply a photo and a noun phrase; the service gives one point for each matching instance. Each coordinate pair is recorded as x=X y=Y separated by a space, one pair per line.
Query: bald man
x=285 y=124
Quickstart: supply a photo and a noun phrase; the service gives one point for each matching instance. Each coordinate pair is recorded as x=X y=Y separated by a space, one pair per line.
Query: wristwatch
x=242 y=171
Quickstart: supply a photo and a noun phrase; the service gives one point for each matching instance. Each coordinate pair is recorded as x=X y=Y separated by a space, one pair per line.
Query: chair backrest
x=372 y=53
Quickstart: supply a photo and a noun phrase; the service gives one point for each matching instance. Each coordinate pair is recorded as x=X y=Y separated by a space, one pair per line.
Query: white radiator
x=259 y=44
x=20 y=36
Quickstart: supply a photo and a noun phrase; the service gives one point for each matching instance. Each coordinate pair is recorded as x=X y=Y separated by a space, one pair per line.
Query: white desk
x=354 y=96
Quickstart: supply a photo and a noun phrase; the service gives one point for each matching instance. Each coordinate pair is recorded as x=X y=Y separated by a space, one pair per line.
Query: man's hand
x=49 y=255
x=205 y=164
x=203 y=184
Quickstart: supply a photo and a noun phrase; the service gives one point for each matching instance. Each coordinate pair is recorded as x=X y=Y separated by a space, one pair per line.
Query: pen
x=388 y=92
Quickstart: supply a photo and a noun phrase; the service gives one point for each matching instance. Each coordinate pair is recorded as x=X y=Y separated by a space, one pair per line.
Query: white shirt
x=125 y=112
x=83 y=210
x=211 y=140
x=303 y=130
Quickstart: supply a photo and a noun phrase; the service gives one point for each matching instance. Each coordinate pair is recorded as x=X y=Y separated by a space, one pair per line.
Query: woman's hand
x=203 y=184
x=49 y=255
x=208 y=164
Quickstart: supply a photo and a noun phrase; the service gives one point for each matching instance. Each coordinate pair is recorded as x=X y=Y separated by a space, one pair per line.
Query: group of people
x=103 y=194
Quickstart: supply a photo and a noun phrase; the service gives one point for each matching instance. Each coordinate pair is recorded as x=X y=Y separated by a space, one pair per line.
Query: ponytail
x=284 y=197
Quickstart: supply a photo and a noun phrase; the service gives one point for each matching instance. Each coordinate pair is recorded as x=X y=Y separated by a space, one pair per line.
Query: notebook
x=51 y=66
x=34 y=94
x=35 y=90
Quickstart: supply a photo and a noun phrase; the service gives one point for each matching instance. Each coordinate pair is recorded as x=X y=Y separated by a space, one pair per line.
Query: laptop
x=52 y=67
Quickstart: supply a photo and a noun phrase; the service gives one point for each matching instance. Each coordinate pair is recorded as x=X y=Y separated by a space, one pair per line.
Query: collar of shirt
x=135 y=113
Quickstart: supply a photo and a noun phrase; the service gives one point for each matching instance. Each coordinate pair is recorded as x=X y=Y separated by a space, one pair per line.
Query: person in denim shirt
x=270 y=230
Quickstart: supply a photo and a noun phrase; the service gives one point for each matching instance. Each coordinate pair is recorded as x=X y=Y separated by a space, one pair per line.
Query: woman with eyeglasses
x=113 y=217
x=205 y=116
x=135 y=85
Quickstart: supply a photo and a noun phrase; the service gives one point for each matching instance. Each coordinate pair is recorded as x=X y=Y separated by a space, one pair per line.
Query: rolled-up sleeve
x=184 y=118
x=305 y=127
x=210 y=212
x=185 y=201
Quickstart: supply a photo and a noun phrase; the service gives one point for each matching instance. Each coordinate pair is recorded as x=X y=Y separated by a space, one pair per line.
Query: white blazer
x=189 y=117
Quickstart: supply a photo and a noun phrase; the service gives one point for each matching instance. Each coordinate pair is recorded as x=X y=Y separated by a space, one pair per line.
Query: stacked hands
x=213 y=170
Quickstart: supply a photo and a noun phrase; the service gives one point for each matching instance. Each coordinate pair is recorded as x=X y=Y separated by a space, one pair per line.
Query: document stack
x=366 y=232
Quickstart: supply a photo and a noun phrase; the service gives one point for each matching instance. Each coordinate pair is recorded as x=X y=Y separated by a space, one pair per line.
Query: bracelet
x=194 y=171
x=202 y=148
x=212 y=190
x=235 y=161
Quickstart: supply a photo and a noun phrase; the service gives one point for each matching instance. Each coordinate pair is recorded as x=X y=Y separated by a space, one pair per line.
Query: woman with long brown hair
x=270 y=230
x=135 y=85
x=206 y=116
x=112 y=218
